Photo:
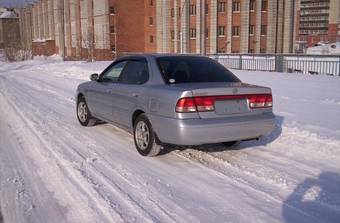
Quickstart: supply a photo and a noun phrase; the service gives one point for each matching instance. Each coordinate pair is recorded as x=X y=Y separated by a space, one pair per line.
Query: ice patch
x=312 y=194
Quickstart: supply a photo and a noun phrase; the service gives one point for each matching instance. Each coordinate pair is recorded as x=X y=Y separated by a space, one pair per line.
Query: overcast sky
x=14 y=3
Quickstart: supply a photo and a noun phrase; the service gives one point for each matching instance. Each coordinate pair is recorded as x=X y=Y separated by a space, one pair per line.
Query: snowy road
x=54 y=170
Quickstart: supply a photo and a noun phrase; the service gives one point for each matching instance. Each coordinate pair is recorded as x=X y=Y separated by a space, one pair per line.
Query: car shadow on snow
x=219 y=147
x=314 y=200
x=1 y=218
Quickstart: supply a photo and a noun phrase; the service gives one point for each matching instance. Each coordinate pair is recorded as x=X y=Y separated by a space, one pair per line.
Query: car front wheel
x=83 y=113
x=144 y=137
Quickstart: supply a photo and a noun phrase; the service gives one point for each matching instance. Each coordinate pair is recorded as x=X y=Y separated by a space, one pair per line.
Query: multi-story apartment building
x=225 y=26
x=84 y=29
x=319 y=20
x=101 y=29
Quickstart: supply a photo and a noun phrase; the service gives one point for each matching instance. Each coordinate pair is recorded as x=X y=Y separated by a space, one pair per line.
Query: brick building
x=100 y=29
x=9 y=29
x=319 y=21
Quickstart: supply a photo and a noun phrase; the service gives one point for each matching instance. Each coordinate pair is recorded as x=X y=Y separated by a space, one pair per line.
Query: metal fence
x=290 y=63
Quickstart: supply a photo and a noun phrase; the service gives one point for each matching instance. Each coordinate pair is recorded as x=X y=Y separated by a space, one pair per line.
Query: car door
x=129 y=91
x=100 y=98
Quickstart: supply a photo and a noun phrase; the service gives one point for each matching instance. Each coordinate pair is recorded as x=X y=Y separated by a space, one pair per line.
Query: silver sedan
x=175 y=99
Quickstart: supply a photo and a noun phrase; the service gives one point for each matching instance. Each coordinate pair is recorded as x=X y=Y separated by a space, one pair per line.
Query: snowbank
x=54 y=170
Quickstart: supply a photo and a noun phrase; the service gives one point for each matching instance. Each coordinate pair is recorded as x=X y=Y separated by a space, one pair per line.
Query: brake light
x=261 y=101
x=207 y=103
x=186 y=105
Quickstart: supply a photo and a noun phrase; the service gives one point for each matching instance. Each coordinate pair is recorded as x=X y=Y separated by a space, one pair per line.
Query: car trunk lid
x=227 y=99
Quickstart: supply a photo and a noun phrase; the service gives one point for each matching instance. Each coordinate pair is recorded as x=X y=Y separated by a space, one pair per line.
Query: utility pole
x=61 y=28
x=115 y=34
x=78 y=29
x=203 y=27
x=90 y=30
x=184 y=25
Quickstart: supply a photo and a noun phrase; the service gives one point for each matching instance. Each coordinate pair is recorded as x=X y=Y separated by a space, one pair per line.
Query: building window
x=220 y=51
x=151 y=2
x=172 y=13
x=151 y=39
x=251 y=51
x=192 y=9
x=221 y=7
x=179 y=11
x=236 y=31
x=252 y=5
x=236 y=6
x=264 y=5
x=150 y=21
x=206 y=33
x=112 y=29
x=112 y=10
x=206 y=9
x=192 y=33
x=221 y=31
x=263 y=30
x=172 y=34
x=251 y=30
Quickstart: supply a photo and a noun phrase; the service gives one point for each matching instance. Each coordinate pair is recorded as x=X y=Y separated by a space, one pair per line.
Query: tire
x=146 y=141
x=83 y=113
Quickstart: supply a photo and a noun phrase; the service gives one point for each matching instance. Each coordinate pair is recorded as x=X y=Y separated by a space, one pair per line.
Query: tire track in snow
x=27 y=97
x=42 y=154
x=240 y=174
x=218 y=166
x=206 y=162
x=119 y=193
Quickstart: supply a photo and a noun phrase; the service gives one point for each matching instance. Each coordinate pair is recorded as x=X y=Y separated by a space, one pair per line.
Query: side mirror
x=94 y=77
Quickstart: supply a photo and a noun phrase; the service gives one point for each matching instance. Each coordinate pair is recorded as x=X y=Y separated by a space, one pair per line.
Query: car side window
x=113 y=73
x=135 y=72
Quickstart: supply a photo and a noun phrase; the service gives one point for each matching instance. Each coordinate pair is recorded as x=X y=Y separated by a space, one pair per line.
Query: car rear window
x=190 y=69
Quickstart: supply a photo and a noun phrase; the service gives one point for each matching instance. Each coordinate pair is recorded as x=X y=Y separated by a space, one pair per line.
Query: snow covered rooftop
x=8 y=15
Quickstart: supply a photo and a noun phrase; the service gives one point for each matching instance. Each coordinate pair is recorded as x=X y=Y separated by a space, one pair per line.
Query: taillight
x=260 y=101
x=185 y=105
x=195 y=104
x=207 y=103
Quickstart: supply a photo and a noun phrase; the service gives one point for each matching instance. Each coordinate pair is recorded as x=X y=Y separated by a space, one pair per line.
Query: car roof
x=157 y=55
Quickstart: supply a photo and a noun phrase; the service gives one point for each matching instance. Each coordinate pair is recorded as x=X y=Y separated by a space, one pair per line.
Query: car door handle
x=136 y=95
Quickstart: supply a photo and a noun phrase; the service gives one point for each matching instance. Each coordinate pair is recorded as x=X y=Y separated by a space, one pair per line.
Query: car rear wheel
x=145 y=139
x=83 y=113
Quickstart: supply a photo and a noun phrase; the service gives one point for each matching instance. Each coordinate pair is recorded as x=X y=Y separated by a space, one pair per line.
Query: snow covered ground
x=54 y=170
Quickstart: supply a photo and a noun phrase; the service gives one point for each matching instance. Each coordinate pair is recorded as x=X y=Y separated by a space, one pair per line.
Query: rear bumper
x=205 y=131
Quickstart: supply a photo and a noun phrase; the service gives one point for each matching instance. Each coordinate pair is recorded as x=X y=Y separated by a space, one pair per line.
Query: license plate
x=231 y=107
